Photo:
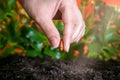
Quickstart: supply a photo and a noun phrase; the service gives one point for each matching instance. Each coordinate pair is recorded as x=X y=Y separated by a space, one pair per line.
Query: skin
x=44 y=11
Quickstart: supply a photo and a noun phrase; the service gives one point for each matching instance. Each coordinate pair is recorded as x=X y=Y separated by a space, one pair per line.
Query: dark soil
x=22 y=68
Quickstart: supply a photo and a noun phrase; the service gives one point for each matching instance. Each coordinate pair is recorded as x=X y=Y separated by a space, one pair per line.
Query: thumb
x=50 y=31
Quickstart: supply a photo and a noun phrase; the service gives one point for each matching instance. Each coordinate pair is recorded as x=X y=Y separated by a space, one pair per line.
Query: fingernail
x=67 y=46
x=54 y=42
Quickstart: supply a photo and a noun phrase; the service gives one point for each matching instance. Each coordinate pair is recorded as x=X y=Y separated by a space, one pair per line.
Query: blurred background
x=20 y=35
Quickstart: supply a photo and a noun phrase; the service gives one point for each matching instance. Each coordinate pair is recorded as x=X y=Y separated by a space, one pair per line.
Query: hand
x=43 y=11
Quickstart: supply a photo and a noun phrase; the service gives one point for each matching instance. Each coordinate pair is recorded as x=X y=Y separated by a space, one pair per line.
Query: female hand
x=43 y=12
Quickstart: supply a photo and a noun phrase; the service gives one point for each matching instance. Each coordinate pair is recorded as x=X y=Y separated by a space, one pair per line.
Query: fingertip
x=66 y=44
x=66 y=47
x=54 y=41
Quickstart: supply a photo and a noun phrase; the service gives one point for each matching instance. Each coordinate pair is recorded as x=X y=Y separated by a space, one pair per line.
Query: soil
x=23 y=68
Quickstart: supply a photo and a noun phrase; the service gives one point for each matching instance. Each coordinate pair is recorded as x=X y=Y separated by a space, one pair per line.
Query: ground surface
x=22 y=68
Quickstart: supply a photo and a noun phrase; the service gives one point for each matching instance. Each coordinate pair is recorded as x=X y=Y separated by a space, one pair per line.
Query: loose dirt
x=23 y=68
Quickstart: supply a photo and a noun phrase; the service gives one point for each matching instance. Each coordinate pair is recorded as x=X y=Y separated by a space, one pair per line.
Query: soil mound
x=23 y=68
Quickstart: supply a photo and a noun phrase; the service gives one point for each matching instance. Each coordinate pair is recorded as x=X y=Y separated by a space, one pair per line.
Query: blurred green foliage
x=103 y=31
x=20 y=35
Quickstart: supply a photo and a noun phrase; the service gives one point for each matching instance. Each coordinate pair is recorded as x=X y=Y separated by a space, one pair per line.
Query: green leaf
x=36 y=36
x=11 y=4
x=11 y=31
x=33 y=53
x=37 y=46
x=93 y=54
x=110 y=50
x=109 y=36
x=101 y=57
x=53 y=53
x=7 y=52
x=94 y=49
x=3 y=41
x=106 y=55
x=2 y=15
x=59 y=26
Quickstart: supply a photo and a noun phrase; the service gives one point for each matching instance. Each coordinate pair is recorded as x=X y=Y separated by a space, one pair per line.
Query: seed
x=61 y=46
